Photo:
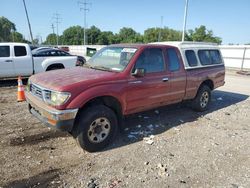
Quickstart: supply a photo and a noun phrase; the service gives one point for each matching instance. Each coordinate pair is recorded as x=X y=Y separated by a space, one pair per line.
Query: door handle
x=8 y=60
x=165 y=79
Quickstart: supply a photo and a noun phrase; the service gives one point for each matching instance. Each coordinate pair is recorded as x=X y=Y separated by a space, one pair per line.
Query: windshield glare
x=112 y=58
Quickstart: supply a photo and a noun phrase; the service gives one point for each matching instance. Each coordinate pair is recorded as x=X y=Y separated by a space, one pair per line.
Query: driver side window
x=151 y=60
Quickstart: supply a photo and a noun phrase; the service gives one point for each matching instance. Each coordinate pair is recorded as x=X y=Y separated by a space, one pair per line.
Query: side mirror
x=139 y=72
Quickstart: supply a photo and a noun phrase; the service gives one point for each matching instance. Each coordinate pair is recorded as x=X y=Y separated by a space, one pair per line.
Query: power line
x=84 y=6
x=57 y=18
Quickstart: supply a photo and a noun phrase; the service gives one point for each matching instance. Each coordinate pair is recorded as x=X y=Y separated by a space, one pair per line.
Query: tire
x=202 y=100
x=96 y=127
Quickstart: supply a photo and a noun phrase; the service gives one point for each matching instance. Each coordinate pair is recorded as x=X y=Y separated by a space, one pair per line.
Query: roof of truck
x=13 y=43
x=177 y=44
x=187 y=44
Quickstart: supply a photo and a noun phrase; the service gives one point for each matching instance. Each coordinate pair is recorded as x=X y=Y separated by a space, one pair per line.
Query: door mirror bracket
x=139 y=72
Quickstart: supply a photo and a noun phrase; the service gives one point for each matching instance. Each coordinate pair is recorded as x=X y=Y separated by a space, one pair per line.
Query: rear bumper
x=61 y=119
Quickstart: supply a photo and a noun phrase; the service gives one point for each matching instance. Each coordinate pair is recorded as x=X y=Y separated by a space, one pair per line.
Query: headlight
x=56 y=98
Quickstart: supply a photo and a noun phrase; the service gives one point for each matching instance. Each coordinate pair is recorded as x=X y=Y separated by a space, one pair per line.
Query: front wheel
x=96 y=127
x=202 y=100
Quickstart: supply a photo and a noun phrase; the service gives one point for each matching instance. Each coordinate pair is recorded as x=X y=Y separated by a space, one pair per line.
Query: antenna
x=84 y=6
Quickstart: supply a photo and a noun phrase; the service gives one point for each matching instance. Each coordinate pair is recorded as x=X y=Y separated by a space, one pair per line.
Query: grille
x=47 y=94
x=37 y=91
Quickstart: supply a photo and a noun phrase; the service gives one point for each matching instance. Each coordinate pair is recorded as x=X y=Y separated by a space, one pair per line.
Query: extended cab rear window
x=191 y=58
x=4 y=51
x=20 y=51
x=209 y=57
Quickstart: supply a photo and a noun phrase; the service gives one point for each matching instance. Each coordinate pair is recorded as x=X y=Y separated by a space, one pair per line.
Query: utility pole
x=53 y=29
x=159 y=36
x=31 y=36
x=57 y=18
x=83 y=6
x=184 y=22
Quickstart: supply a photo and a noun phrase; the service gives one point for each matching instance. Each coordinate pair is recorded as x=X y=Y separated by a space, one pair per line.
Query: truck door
x=152 y=89
x=22 y=60
x=6 y=62
x=177 y=72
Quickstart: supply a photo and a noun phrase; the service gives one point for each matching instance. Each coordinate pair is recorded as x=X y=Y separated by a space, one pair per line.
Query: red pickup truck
x=90 y=101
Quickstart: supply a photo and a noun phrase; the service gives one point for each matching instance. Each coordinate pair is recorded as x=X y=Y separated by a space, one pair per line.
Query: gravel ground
x=166 y=147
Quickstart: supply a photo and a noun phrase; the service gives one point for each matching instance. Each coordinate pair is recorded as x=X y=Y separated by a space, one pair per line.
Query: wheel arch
x=55 y=65
x=110 y=101
x=209 y=83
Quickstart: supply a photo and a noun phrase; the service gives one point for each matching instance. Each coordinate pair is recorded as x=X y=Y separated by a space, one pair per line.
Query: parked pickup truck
x=16 y=59
x=90 y=101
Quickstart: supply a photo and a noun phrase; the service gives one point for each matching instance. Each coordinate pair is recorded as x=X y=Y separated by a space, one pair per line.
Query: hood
x=61 y=79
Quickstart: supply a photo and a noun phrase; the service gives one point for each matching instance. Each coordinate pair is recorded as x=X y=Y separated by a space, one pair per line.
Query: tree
x=93 y=34
x=170 y=35
x=201 y=34
x=51 y=39
x=152 y=35
x=127 y=35
x=6 y=27
x=139 y=38
x=17 y=37
x=106 y=38
x=72 y=36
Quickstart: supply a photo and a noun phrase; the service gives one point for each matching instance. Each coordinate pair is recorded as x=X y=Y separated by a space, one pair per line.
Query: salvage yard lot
x=187 y=148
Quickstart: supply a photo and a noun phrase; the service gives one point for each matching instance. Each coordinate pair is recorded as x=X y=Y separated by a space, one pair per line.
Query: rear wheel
x=202 y=100
x=96 y=127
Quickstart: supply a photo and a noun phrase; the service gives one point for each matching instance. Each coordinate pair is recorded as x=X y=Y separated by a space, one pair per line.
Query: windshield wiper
x=97 y=67
x=101 y=68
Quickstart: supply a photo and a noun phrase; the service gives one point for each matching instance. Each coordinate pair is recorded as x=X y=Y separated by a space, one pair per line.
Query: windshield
x=112 y=58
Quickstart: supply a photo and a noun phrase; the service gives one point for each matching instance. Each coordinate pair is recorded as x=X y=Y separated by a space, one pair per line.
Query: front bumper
x=61 y=119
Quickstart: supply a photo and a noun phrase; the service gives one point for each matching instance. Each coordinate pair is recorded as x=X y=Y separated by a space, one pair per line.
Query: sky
x=228 y=19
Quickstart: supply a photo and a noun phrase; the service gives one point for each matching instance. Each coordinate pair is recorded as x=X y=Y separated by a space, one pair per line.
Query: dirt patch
x=36 y=138
x=167 y=147
x=246 y=73
x=48 y=178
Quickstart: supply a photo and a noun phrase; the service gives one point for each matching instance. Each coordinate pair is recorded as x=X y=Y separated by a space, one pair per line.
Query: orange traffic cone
x=20 y=90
